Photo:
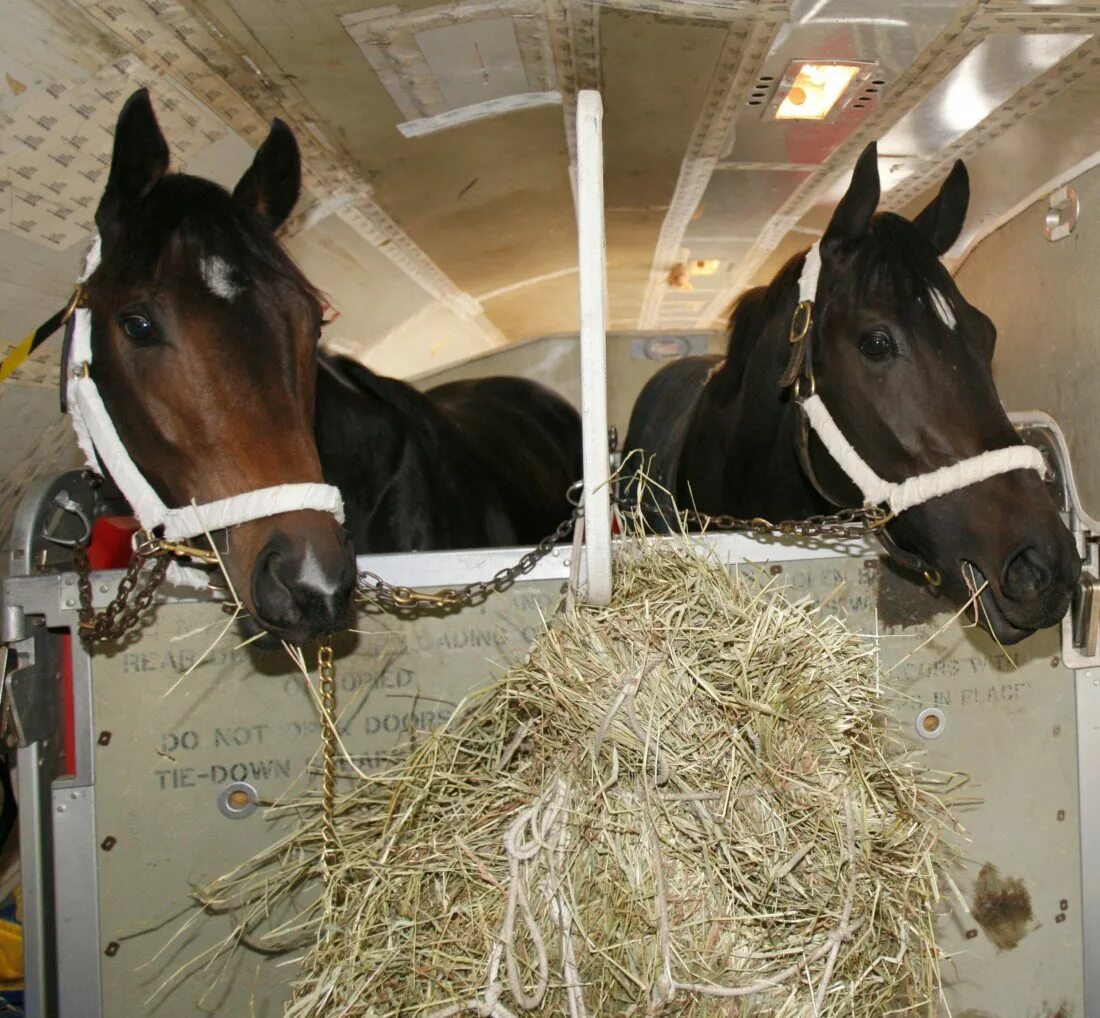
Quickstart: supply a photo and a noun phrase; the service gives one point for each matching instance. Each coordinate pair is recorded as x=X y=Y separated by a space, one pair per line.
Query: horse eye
x=138 y=328
x=877 y=345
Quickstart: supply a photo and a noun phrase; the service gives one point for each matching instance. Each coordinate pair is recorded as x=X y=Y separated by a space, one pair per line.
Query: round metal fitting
x=931 y=723
x=238 y=800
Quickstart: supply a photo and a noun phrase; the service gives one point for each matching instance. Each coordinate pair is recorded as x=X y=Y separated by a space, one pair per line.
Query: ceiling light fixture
x=813 y=90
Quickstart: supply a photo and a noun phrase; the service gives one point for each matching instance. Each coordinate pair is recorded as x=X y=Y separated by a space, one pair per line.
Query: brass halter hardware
x=75 y=301
x=801 y=321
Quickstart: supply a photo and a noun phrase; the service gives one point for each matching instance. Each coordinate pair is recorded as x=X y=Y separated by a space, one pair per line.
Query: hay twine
x=686 y=802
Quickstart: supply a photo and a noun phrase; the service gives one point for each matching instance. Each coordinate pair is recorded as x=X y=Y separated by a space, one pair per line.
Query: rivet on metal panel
x=1056 y=731
x=1062 y=213
x=1061 y=814
x=111 y=949
x=971 y=934
x=931 y=723
x=1060 y=917
x=238 y=800
x=104 y=738
x=1055 y=661
x=1063 y=905
x=776 y=570
x=108 y=843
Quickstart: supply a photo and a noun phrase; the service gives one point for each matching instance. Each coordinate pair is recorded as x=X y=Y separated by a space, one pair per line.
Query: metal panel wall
x=167 y=743
x=1042 y=298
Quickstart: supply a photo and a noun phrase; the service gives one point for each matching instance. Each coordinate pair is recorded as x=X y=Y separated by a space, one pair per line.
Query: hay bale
x=683 y=803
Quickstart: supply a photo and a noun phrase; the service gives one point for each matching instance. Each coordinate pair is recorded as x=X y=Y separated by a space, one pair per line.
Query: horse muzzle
x=301 y=589
x=1031 y=589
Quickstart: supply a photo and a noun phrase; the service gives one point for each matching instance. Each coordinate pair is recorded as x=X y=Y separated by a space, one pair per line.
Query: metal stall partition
x=591 y=261
x=177 y=733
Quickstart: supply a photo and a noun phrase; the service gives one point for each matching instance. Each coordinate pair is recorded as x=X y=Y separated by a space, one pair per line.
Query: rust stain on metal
x=1002 y=907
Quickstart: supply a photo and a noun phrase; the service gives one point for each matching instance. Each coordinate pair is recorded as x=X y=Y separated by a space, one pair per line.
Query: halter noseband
x=876 y=491
x=105 y=453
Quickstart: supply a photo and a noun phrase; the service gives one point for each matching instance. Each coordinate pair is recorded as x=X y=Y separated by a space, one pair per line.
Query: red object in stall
x=112 y=542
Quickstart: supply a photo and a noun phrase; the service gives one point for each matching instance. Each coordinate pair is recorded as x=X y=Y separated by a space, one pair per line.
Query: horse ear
x=271 y=184
x=139 y=160
x=855 y=209
x=942 y=221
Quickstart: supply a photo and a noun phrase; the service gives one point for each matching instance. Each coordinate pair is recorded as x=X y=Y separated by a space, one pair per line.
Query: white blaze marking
x=312 y=575
x=942 y=308
x=218 y=276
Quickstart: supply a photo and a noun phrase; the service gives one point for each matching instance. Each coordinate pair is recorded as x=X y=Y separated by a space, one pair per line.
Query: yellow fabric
x=11 y=947
x=15 y=357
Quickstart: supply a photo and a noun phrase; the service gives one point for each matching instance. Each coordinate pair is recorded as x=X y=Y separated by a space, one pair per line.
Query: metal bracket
x=1062 y=213
x=29 y=696
x=54 y=516
x=1085 y=617
x=1081 y=624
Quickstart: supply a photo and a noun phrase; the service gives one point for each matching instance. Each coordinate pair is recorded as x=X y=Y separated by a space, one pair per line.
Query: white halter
x=104 y=452
x=915 y=490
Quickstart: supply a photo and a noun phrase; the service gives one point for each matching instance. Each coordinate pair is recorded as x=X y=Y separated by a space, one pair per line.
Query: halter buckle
x=801 y=321
x=75 y=301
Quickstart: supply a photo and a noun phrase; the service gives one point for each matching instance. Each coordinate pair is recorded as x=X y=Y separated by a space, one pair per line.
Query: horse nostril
x=270 y=592
x=1026 y=574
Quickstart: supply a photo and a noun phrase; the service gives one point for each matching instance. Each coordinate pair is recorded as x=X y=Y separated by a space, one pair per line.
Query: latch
x=28 y=698
x=1081 y=625
x=1086 y=616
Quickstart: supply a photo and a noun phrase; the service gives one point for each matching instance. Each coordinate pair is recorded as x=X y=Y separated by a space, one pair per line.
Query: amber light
x=815 y=91
x=705 y=267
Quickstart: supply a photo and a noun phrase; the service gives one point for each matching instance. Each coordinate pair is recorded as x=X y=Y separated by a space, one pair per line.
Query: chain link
x=326 y=670
x=405 y=599
x=129 y=603
x=845 y=524
x=126 y=608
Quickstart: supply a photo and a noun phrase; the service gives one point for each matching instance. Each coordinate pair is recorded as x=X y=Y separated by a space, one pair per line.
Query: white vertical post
x=593 y=302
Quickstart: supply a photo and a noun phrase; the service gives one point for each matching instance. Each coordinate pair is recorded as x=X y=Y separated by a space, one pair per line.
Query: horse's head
x=904 y=363
x=203 y=336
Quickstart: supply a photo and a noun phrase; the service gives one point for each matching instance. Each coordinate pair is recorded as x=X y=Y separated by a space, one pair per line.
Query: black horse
x=479 y=463
x=904 y=364
x=204 y=337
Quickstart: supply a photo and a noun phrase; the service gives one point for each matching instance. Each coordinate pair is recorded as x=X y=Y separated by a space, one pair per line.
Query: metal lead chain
x=129 y=603
x=406 y=599
x=326 y=670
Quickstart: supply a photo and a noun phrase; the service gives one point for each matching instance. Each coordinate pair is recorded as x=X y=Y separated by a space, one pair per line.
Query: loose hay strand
x=679 y=801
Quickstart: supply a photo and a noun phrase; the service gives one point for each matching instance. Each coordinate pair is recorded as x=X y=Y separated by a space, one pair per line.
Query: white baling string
x=104 y=451
x=916 y=490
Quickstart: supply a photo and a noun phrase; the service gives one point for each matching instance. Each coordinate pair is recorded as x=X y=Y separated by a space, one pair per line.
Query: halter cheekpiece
x=105 y=453
x=876 y=491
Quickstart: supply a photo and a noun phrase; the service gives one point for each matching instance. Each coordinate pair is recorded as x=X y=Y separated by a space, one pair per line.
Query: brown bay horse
x=903 y=363
x=204 y=338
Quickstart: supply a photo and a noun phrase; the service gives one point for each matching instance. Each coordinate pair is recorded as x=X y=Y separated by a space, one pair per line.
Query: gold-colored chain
x=326 y=669
x=845 y=524
x=123 y=613
x=404 y=600
x=126 y=608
